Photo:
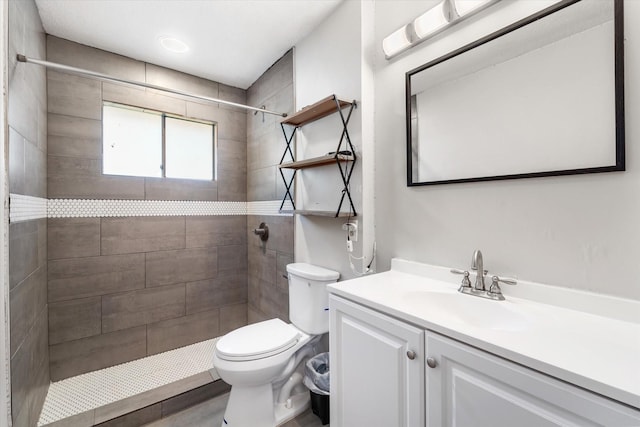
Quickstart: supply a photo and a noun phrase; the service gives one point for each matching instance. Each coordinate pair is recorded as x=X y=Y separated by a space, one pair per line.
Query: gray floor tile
x=210 y=413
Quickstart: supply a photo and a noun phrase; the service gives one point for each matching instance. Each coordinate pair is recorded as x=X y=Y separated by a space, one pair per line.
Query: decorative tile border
x=85 y=208
x=269 y=207
x=25 y=208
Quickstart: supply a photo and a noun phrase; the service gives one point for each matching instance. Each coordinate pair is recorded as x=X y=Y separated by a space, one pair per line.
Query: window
x=135 y=141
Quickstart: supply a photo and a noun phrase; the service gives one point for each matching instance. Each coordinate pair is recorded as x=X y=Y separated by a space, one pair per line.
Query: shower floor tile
x=108 y=393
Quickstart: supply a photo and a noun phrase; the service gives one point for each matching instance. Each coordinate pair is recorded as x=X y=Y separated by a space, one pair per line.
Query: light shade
x=396 y=42
x=432 y=21
x=465 y=7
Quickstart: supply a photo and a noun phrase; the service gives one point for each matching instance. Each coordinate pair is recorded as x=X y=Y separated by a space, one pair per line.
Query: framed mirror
x=541 y=97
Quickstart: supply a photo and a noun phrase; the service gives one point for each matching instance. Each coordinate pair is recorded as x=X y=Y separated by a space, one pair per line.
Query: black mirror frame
x=619 y=97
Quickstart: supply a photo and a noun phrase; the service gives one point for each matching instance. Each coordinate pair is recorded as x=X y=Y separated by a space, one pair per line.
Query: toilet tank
x=309 y=298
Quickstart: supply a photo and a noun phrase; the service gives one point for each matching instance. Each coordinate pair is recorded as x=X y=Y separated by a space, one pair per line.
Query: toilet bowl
x=263 y=362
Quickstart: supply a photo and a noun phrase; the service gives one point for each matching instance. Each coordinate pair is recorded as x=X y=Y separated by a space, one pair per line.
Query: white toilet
x=263 y=362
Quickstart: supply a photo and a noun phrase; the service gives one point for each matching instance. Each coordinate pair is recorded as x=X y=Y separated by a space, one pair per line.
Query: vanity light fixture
x=466 y=7
x=397 y=42
x=172 y=44
x=430 y=23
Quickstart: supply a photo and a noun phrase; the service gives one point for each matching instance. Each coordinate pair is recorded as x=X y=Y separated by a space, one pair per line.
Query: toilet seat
x=258 y=341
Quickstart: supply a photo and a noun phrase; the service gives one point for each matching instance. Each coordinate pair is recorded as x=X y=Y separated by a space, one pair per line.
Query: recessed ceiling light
x=172 y=44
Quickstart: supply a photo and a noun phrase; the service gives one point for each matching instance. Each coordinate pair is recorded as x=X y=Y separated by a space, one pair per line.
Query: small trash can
x=316 y=378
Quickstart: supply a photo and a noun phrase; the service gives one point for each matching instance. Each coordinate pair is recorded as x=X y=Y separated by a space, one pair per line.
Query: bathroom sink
x=474 y=311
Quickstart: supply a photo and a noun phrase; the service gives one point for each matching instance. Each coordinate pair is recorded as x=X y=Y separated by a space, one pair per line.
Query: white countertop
x=590 y=340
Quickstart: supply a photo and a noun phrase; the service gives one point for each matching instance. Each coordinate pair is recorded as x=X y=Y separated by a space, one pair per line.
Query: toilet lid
x=258 y=340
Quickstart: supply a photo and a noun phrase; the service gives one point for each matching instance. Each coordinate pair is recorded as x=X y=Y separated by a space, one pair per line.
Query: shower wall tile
x=280 y=75
x=16 y=162
x=210 y=231
x=255 y=316
x=74 y=137
x=274 y=301
x=189 y=265
x=268 y=290
x=27 y=300
x=126 y=310
x=74 y=319
x=282 y=260
x=146 y=98
x=23 y=247
x=174 y=333
x=229 y=287
x=35 y=179
x=73 y=166
x=232 y=317
x=262 y=263
x=231 y=124
x=71 y=95
x=280 y=234
x=29 y=371
x=232 y=184
x=70 y=184
x=81 y=56
x=233 y=257
x=166 y=77
x=27 y=166
x=232 y=94
x=266 y=148
x=267 y=127
x=73 y=237
x=232 y=155
x=30 y=412
x=142 y=234
x=180 y=189
x=155 y=282
x=261 y=184
x=96 y=352
x=85 y=277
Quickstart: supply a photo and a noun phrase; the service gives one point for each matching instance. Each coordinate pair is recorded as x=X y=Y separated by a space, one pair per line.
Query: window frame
x=163 y=115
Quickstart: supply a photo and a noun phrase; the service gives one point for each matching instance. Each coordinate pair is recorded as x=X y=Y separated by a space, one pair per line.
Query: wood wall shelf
x=317 y=161
x=344 y=162
x=316 y=111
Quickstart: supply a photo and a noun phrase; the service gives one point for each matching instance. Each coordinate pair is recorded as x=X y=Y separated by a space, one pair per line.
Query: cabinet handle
x=411 y=354
x=431 y=362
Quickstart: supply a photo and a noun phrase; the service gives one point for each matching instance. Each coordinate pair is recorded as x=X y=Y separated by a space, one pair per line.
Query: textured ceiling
x=230 y=41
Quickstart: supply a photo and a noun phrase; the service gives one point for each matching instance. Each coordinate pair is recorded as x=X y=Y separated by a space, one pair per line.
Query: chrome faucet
x=478 y=265
x=479 y=289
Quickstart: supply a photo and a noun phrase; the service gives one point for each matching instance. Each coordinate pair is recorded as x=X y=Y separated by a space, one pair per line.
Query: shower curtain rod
x=100 y=76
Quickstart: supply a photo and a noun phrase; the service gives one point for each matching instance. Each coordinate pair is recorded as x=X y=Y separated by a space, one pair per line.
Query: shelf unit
x=344 y=156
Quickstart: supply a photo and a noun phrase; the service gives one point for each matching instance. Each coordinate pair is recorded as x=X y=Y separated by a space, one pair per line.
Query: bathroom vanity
x=407 y=349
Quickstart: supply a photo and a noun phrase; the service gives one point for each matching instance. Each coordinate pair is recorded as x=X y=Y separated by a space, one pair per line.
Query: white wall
x=334 y=59
x=577 y=231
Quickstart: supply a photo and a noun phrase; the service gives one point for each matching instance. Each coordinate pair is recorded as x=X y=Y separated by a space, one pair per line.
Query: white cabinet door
x=377 y=368
x=471 y=388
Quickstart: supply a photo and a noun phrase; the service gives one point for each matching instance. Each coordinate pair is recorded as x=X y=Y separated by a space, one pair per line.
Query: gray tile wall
x=268 y=293
x=123 y=288
x=27 y=111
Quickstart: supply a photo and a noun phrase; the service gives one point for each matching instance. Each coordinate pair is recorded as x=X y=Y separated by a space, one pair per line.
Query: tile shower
x=116 y=288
